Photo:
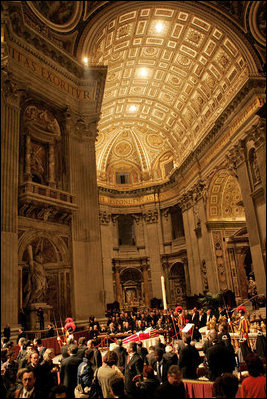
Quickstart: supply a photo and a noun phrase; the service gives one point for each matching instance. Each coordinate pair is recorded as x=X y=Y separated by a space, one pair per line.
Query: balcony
x=44 y=202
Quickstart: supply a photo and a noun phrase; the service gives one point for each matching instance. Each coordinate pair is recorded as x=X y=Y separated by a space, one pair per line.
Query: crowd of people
x=133 y=371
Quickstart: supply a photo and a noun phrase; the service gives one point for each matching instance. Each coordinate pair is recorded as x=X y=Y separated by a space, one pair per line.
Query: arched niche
x=57 y=265
x=224 y=198
x=177 y=283
x=132 y=286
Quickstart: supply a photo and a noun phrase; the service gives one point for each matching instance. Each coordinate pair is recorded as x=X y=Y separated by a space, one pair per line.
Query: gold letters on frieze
x=36 y=67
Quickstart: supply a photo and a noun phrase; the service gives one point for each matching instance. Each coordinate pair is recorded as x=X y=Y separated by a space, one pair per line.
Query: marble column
x=206 y=250
x=88 y=276
x=191 y=247
x=153 y=249
x=237 y=157
x=10 y=127
x=106 y=229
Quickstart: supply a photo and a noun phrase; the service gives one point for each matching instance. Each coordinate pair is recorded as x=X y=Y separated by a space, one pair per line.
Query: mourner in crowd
x=132 y=371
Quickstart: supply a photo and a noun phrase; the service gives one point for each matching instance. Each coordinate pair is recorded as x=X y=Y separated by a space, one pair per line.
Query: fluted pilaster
x=10 y=116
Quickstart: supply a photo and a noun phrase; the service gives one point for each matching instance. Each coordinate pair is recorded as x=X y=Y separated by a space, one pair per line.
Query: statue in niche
x=36 y=284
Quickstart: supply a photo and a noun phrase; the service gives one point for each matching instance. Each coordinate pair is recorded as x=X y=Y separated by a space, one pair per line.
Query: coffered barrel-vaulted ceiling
x=172 y=69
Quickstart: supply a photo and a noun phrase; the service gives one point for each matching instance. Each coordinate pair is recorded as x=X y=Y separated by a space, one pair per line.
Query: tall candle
x=163 y=293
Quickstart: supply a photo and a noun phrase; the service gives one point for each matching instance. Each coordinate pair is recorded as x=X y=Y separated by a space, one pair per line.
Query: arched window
x=177 y=223
x=126 y=230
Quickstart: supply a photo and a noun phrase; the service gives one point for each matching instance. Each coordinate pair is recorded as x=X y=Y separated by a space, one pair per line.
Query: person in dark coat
x=202 y=318
x=122 y=355
x=21 y=334
x=150 y=358
x=91 y=344
x=117 y=388
x=29 y=387
x=142 y=351
x=81 y=347
x=189 y=360
x=170 y=356
x=48 y=371
x=69 y=368
x=6 y=332
x=160 y=366
x=150 y=383
x=173 y=388
x=133 y=368
x=51 y=331
x=219 y=358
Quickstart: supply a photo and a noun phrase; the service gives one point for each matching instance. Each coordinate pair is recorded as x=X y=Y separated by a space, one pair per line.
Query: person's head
x=139 y=344
x=37 y=342
x=213 y=336
x=90 y=344
x=168 y=349
x=28 y=379
x=89 y=354
x=20 y=373
x=148 y=372
x=254 y=365
x=22 y=342
x=10 y=344
x=186 y=339
x=201 y=310
x=70 y=340
x=209 y=311
x=73 y=349
x=225 y=386
x=174 y=375
x=34 y=358
x=11 y=356
x=110 y=358
x=159 y=354
x=117 y=386
x=58 y=391
x=48 y=355
x=82 y=341
x=132 y=347
x=151 y=349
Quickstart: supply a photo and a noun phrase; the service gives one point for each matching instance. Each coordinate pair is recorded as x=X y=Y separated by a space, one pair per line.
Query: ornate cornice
x=236 y=155
x=151 y=216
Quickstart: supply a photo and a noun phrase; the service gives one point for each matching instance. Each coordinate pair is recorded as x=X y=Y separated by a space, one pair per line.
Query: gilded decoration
x=167 y=86
x=224 y=197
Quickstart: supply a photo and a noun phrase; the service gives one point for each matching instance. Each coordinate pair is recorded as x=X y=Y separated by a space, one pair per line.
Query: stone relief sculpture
x=36 y=284
x=255 y=172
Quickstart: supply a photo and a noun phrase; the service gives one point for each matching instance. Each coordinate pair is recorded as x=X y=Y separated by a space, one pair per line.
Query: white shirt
x=27 y=394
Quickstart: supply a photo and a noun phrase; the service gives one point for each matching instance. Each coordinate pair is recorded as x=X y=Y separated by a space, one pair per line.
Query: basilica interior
x=133 y=148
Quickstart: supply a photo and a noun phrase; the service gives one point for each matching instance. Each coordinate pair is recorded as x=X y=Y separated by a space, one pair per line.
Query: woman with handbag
x=107 y=372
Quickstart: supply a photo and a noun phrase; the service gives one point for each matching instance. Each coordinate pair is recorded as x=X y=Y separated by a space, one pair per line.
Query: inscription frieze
x=87 y=93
